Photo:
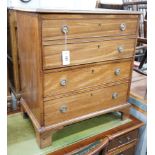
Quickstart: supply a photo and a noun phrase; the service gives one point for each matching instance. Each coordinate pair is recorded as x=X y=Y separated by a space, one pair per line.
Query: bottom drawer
x=130 y=151
x=127 y=151
x=73 y=106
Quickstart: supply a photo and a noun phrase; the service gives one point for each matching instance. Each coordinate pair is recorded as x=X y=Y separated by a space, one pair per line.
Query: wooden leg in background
x=24 y=113
x=125 y=113
x=44 y=139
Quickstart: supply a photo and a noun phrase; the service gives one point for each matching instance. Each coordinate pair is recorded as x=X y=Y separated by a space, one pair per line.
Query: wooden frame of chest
x=97 y=78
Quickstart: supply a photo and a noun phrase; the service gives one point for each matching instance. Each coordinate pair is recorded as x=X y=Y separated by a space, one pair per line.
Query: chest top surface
x=93 y=11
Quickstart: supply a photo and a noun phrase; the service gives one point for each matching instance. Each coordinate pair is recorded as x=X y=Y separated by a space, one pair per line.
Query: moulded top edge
x=94 y=11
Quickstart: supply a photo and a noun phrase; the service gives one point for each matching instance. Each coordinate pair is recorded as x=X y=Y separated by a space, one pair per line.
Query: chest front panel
x=100 y=57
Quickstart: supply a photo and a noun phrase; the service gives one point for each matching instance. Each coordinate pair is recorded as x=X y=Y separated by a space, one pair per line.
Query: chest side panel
x=30 y=62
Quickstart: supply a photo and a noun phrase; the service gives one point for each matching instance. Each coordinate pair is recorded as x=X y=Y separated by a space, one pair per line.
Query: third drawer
x=83 y=78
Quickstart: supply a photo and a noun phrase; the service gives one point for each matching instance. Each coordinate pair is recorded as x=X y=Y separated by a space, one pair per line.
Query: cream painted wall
x=55 y=4
x=111 y=1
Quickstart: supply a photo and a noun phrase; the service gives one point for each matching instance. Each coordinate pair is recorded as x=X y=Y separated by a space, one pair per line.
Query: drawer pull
x=63 y=109
x=114 y=95
x=120 y=141
x=117 y=71
x=120 y=49
x=65 y=29
x=122 y=26
x=63 y=82
x=128 y=138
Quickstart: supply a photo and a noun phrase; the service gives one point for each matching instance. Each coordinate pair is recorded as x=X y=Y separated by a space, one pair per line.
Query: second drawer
x=83 y=53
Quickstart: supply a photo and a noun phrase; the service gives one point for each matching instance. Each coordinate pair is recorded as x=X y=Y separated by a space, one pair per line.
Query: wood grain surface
x=122 y=140
x=14 y=70
x=82 y=104
x=124 y=150
x=81 y=78
x=88 y=52
x=30 y=62
x=90 y=83
x=51 y=29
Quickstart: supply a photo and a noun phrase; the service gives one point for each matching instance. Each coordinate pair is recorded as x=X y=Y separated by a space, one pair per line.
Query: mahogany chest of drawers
x=74 y=65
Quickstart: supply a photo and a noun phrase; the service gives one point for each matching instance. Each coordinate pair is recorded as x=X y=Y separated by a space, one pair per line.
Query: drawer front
x=82 y=53
x=82 y=78
x=66 y=108
x=130 y=151
x=84 y=28
x=124 y=139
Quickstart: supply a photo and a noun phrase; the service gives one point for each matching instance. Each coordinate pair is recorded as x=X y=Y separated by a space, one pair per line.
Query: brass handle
x=63 y=82
x=120 y=49
x=122 y=26
x=63 y=109
x=101 y=146
x=117 y=71
x=114 y=95
x=65 y=29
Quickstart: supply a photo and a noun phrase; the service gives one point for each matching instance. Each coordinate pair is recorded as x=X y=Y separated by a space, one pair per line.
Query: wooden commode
x=74 y=65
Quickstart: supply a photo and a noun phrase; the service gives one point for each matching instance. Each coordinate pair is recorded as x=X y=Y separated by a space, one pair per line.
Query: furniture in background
x=74 y=65
x=106 y=134
x=13 y=82
x=139 y=108
x=115 y=6
x=141 y=49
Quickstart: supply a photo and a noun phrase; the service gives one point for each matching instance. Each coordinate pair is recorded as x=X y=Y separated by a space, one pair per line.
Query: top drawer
x=84 y=27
